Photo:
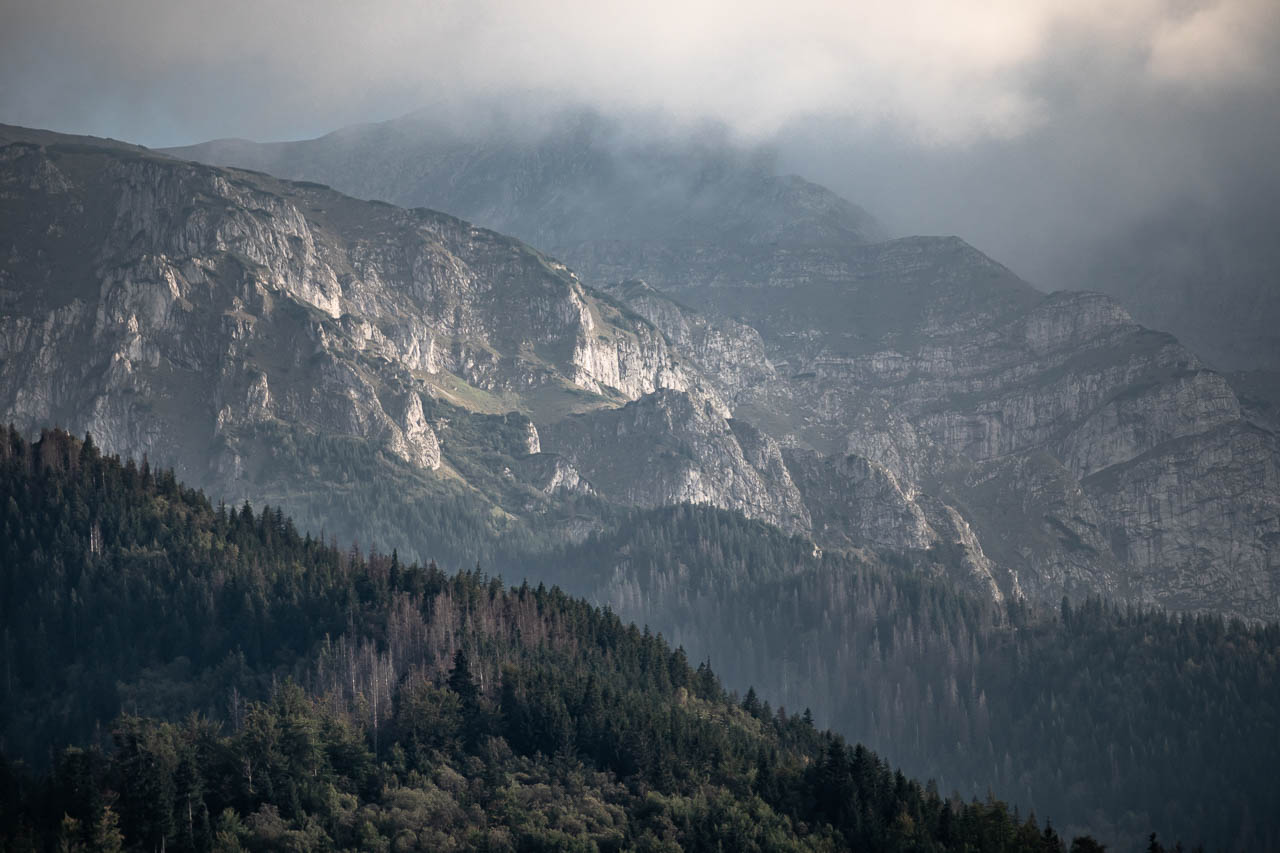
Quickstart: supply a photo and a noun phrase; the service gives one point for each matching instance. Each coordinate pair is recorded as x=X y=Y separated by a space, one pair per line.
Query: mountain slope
x=242 y=329
x=1088 y=713
x=359 y=703
x=1086 y=452
x=1064 y=448
x=124 y=591
x=380 y=372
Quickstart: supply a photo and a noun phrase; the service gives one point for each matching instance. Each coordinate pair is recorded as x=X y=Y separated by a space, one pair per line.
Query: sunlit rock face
x=670 y=447
x=169 y=308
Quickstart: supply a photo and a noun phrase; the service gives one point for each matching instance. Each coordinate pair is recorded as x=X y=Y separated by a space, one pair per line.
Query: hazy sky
x=1010 y=122
x=940 y=71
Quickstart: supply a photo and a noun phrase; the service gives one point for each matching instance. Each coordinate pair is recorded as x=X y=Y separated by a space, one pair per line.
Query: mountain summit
x=580 y=178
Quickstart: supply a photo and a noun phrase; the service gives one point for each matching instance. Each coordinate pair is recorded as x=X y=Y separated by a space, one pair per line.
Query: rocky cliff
x=669 y=448
x=763 y=349
x=182 y=311
x=1073 y=450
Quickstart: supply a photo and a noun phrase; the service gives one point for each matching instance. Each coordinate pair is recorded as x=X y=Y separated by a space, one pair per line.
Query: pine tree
x=461 y=682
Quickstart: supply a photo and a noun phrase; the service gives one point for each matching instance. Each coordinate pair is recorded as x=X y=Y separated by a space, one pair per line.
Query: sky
x=1029 y=127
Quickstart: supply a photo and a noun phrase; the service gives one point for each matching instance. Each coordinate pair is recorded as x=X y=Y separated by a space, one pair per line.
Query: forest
x=183 y=674
x=209 y=679
x=1091 y=712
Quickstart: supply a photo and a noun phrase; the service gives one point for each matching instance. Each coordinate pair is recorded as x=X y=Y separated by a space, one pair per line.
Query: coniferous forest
x=268 y=691
x=1086 y=712
x=1109 y=717
x=191 y=676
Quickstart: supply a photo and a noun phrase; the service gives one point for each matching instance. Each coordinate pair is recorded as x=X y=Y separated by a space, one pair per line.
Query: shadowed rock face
x=1086 y=453
x=766 y=351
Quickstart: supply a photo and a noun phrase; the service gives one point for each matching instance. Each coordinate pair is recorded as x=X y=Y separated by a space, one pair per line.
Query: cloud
x=946 y=73
x=1221 y=45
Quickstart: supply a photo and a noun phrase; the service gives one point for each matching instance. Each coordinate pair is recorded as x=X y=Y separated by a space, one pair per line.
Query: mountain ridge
x=995 y=409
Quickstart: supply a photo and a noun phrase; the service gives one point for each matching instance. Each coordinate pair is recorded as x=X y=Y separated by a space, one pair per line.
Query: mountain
x=1083 y=451
x=218 y=321
x=379 y=372
x=361 y=703
x=578 y=177
x=1052 y=444
x=269 y=339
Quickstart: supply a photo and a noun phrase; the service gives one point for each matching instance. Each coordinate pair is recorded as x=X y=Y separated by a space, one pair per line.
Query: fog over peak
x=1037 y=129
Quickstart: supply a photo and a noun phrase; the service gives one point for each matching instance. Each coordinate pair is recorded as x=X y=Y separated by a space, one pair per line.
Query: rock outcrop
x=669 y=448
x=1074 y=450
x=174 y=310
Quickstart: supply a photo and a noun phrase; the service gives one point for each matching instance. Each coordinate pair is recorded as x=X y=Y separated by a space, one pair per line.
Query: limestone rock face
x=173 y=309
x=552 y=474
x=854 y=498
x=671 y=447
x=729 y=354
x=417 y=442
x=533 y=442
x=1071 y=450
x=857 y=502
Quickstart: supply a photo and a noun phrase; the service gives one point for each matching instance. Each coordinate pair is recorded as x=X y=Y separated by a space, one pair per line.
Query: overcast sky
x=1018 y=124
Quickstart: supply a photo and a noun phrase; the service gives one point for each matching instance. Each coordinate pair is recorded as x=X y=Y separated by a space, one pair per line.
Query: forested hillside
x=125 y=592
x=1112 y=719
x=279 y=693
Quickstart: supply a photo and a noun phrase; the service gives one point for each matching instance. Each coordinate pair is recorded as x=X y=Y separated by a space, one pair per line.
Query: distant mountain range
x=583 y=179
